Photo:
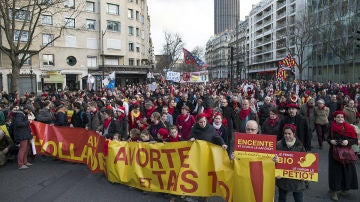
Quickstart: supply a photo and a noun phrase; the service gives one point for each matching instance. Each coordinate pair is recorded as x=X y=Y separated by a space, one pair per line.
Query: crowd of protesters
x=188 y=111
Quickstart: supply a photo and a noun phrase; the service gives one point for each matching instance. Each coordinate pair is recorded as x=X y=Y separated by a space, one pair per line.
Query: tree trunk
x=15 y=79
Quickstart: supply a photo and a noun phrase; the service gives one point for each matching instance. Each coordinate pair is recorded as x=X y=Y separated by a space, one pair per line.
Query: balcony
x=280 y=5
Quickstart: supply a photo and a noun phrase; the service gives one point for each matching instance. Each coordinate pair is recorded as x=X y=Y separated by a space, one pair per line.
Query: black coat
x=342 y=177
x=113 y=128
x=20 y=126
x=79 y=119
x=302 y=129
x=290 y=184
x=208 y=133
x=267 y=129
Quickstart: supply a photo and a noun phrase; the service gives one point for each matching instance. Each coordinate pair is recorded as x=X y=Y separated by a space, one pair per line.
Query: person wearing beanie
x=163 y=135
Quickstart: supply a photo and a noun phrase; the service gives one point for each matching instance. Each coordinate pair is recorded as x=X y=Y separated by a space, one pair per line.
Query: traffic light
x=358 y=38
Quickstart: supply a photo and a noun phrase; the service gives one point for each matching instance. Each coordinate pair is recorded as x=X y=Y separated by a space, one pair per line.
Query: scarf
x=121 y=117
x=322 y=108
x=273 y=121
x=217 y=126
x=184 y=118
x=134 y=115
x=290 y=144
x=107 y=122
x=235 y=105
x=344 y=129
x=244 y=113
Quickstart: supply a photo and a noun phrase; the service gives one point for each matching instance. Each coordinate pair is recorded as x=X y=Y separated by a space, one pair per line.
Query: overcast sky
x=192 y=19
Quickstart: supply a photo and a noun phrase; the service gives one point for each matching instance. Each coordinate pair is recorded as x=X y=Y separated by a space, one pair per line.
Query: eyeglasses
x=250 y=129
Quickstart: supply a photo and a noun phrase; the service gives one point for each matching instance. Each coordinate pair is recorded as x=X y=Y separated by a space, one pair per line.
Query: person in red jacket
x=185 y=121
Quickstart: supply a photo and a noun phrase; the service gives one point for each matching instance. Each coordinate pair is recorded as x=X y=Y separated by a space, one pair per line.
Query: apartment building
x=100 y=36
x=269 y=23
x=217 y=55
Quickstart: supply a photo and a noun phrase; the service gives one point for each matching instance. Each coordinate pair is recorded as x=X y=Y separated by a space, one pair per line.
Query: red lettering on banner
x=184 y=156
x=257 y=179
x=132 y=153
x=194 y=185
x=143 y=182
x=155 y=156
x=138 y=155
x=168 y=156
x=121 y=156
x=222 y=184
x=159 y=173
x=214 y=181
x=172 y=182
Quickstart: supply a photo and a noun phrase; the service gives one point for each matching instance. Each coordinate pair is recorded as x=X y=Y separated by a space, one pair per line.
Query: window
x=111 y=61
x=130 y=1
x=48 y=59
x=69 y=3
x=24 y=36
x=48 y=39
x=142 y=19
x=131 y=30
x=113 y=9
x=27 y=60
x=46 y=2
x=90 y=24
x=131 y=61
x=138 y=49
x=91 y=61
x=90 y=6
x=22 y=15
x=137 y=62
x=46 y=20
x=137 y=15
x=70 y=22
x=131 y=47
x=91 y=43
x=113 y=26
x=130 y=13
x=137 y=32
x=137 y=1
x=113 y=44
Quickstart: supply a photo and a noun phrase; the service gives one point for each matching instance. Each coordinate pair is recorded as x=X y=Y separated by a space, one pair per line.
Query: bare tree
x=20 y=27
x=199 y=52
x=339 y=29
x=173 y=47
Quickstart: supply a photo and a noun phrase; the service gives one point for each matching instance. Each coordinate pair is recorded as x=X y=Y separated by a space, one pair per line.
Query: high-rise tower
x=226 y=14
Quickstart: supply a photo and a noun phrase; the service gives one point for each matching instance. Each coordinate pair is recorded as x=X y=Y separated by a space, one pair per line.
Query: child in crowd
x=145 y=136
x=174 y=134
x=163 y=135
x=134 y=135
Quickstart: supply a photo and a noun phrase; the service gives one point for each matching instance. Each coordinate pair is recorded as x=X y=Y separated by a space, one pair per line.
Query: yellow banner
x=254 y=179
x=183 y=168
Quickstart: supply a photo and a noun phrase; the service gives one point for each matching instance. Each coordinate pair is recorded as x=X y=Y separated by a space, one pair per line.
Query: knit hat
x=121 y=109
x=164 y=133
x=292 y=105
x=337 y=113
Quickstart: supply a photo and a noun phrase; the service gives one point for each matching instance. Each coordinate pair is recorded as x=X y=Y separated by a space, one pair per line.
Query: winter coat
x=290 y=184
x=20 y=126
x=208 y=133
x=45 y=116
x=303 y=133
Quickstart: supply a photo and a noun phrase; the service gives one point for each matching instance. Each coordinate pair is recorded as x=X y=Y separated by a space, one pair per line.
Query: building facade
x=217 y=56
x=270 y=22
x=100 y=36
x=226 y=15
x=334 y=54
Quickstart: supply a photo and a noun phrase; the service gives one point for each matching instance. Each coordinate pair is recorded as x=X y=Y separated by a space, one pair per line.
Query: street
x=55 y=180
